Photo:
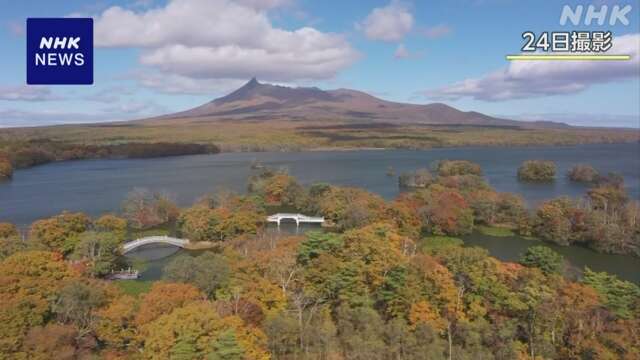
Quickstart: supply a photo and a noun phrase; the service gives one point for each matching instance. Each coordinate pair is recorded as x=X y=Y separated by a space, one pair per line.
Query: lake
x=509 y=248
x=151 y=259
x=99 y=186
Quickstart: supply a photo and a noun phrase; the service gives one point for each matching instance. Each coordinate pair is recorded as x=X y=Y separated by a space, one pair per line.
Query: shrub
x=542 y=257
x=445 y=212
x=583 y=173
x=8 y=230
x=144 y=209
x=420 y=178
x=458 y=167
x=537 y=170
x=6 y=169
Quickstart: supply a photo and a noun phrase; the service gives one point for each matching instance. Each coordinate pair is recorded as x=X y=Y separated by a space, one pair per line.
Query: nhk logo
x=59 y=51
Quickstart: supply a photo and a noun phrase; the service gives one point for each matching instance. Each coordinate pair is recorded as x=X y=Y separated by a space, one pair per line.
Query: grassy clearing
x=134 y=287
x=496 y=231
x=437 y=242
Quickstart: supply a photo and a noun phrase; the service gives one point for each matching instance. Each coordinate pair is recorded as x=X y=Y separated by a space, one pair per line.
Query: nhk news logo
x=59 y=51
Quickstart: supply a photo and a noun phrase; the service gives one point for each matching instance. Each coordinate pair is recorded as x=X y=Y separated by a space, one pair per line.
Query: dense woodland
x=17 y=155
x=385 y=280
x=23 y=147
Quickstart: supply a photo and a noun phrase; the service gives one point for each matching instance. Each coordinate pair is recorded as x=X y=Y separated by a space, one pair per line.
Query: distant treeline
x=37 y=152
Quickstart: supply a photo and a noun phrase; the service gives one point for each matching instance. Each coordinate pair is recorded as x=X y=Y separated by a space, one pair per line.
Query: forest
x=25 y=147
x=383 y=279
x=25 y=154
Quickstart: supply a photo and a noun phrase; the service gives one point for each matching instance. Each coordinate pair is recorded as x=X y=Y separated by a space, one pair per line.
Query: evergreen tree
x=226 y=347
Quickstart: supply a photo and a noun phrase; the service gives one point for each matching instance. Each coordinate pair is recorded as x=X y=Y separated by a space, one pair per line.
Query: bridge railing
x=153 y=239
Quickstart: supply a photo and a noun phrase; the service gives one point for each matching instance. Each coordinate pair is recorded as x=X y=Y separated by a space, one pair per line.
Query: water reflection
x=511 y=247
x=151 y=259
x=152 y=252
x=99 y=186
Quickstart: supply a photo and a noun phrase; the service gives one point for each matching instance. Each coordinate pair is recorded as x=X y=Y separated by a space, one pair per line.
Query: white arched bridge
x=275 y=218
x=132 y=245
x=298 y=218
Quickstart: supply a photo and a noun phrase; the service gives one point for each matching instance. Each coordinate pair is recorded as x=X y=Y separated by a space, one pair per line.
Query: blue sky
x=153 y=57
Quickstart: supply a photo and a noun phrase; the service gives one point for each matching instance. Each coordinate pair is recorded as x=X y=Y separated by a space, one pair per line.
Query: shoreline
x=335 y=149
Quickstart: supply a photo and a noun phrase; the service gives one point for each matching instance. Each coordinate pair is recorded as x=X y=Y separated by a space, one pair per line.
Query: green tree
x=100 y=249
x=542 y=257
x=619 y=296
x=192 y=331
x=226 y=347
x=458 y=167
x=361 y=333
x=77 y=303
x=11 y=245
x=208 y=272
x=537 y=170
x=184 y=349
x=282 y=331
x=199 y=223
x=112 y=224
x=60 y=233
x=316 y=243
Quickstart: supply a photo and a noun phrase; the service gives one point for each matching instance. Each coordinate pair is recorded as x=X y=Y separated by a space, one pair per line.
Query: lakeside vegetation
x=24 y=154
x=537 y=171
x=23 y=147
x=584 y=174
x=389 y=279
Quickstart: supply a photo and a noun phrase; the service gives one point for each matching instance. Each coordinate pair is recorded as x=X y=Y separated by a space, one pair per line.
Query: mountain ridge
x=260 y=101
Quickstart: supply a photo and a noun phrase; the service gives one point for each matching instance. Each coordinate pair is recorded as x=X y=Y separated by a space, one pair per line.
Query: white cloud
x=109 y=95
x=27 y=93
x=178 y=84
x=527 y=79
x=215 y=39
x=390 y=23
x=23 y=118
x=437 y=31
x=133 y=109
x=265 y=4
x=401 y=52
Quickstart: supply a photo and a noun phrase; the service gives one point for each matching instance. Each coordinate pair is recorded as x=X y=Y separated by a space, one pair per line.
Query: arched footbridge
x=298 y=218
x=132 y=245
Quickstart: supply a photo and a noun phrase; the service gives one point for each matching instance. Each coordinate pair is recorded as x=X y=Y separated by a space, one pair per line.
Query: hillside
x=259 y=101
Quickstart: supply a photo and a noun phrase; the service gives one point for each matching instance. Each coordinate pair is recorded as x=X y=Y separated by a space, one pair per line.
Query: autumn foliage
x=385 y=280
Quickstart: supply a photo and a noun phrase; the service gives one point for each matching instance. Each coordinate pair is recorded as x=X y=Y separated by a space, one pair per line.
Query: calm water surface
x=511 y=247
x=151 y=259
x=99 y=186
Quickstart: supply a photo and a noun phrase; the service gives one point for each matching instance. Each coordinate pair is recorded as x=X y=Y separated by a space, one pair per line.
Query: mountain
x=259 y=101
